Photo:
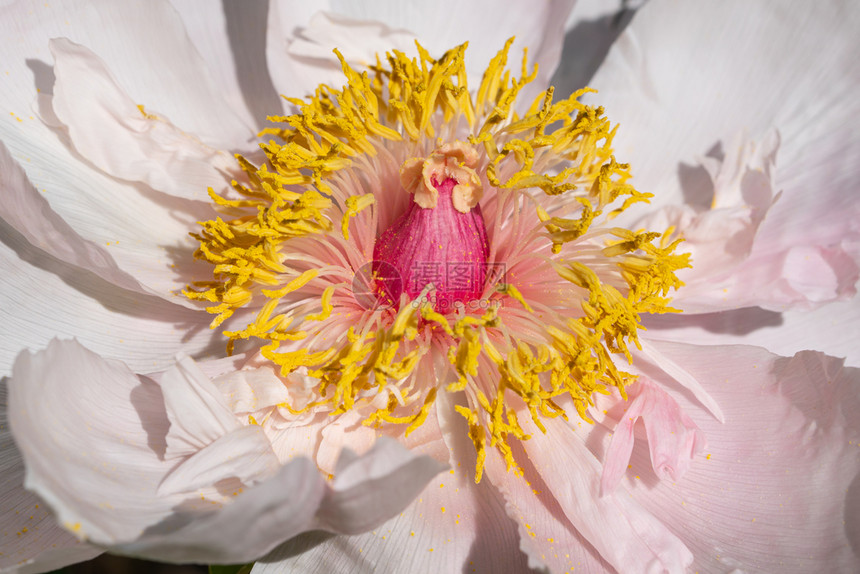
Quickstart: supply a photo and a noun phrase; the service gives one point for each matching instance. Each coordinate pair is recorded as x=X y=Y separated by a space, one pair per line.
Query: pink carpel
x=439 y=246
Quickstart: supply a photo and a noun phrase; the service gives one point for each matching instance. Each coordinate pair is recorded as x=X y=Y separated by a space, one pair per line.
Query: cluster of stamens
x=513 y=289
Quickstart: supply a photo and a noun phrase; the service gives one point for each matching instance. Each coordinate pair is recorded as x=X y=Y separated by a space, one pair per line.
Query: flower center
x=440 y=243
x=558 y=320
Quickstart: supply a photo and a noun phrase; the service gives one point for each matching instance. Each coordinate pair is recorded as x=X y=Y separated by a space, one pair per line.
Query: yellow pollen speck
x=412 y=533
x=443 y=510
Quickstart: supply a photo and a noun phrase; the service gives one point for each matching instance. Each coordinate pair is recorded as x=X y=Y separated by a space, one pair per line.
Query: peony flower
x=433 y=285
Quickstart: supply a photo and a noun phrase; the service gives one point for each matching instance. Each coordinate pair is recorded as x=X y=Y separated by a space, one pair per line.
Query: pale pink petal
x=258 y=393
x=651 y=355
x=30 y=214
x=379 y=484
x=833 y=329
x=539 y=26
x=546 y=535
x=204 y=432
x=346 y=431
x=30 y=538
x=138 y=254
x=250 y=390
x=301 y=57
x=626 y=535
x=72 y=442
x=132 y=142
x=367 y=490
x=53 y=558
x=145 y=234
x=590 y=31
x=734 y=265
x=739 y=191
x=777 y=491
x=676 y=102
x=800 y=277
x=673 y=439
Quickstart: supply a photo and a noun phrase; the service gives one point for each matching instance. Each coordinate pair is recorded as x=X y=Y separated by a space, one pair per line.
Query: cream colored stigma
x=456 y=160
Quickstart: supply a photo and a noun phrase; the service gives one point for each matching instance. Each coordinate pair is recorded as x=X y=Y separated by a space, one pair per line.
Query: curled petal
x=131 y=142
x=673 y=439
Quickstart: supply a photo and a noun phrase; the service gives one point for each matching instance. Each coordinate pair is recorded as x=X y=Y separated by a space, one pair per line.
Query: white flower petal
x=72 y=442
x=28 y=212
x=536 y=25
x=693 y=75
x=279 y=508
x=143 y=42
x=54 y=558
x=352 y=27
x=132 y=142
x=231 y=38
x=255 y=522
x=249 y=390
x=146 y=233
x=197 y=411
x=590 y=31
x=801 y=277
x=453 y=525
x=99 y=455
x=137 y=243
x=345 y=432
x=651 y=355
x=546 y=536
x=29 y=536
x=779 y=489
x=244 y=454
x=675 y=100
x=367 y=490
x=142 y=330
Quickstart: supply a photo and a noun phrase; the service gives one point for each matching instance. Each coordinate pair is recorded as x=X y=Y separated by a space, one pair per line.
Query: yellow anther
x=354 y=206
